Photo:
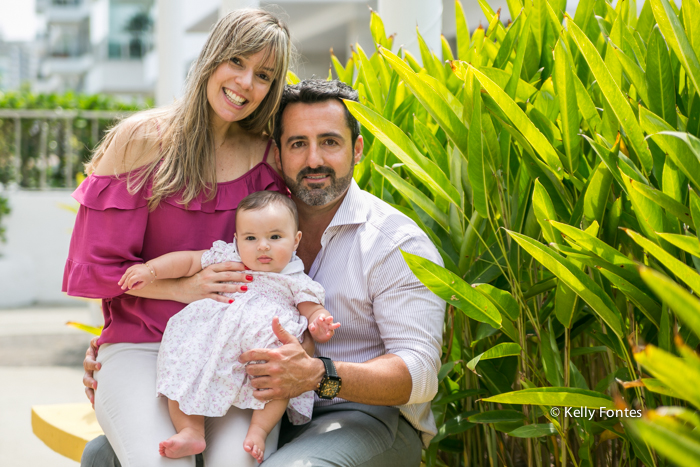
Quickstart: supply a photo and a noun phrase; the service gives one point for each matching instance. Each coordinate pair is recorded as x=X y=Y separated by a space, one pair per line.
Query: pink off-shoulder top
x=115 y=230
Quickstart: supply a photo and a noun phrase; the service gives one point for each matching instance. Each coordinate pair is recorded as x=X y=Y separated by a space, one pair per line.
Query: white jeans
x=135 y=420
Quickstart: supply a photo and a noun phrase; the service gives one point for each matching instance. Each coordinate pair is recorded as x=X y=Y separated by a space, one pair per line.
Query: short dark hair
x=262 y=199
x=311 y=91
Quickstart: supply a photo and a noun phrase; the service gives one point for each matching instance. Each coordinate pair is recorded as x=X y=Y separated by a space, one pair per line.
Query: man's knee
x=99 y=453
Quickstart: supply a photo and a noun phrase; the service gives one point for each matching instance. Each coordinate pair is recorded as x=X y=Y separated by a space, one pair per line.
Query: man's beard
x=318 y=196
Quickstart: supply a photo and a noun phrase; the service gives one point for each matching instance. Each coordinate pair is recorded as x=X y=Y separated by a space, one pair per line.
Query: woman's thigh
x=225 y=437
x=132 y=417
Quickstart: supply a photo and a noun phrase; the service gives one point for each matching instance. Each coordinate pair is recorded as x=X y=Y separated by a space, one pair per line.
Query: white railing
x=52 y=120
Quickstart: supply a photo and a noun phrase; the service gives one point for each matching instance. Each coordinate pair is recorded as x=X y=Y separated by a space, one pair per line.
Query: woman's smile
x=234 y=98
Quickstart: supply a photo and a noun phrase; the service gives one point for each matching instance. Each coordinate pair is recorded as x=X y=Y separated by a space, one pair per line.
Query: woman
x=170 y=180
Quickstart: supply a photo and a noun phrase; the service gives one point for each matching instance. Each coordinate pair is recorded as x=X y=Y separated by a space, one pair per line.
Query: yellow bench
x=65 y=428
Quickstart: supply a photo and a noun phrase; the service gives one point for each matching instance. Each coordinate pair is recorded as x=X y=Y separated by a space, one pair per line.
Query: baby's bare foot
x=254 y=442
x=186 y=443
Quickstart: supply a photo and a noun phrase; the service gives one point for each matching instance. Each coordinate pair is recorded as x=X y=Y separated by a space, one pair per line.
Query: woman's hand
x=90 y=364
x=212 y=281
x=288 y=371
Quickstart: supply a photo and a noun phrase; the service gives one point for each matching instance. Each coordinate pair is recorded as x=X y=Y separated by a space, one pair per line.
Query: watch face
x=330 y=388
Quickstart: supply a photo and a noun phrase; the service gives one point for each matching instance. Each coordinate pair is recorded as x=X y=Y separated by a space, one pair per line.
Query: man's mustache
x=316 y=171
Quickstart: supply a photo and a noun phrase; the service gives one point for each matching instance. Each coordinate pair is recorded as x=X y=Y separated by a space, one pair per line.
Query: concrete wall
x=32 y=260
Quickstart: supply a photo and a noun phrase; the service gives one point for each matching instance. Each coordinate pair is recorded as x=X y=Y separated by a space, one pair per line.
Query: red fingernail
x=230 y=301
x=244 y=288
x=249 y=277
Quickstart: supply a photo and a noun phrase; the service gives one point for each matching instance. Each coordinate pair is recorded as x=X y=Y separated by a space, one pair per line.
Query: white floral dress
x=198 y=359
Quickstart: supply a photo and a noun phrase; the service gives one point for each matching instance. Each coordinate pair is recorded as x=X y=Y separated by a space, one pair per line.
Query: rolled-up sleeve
x=409 y=316
x=107 y=237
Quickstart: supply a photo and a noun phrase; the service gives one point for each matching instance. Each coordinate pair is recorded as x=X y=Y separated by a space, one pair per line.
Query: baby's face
x=266 y=238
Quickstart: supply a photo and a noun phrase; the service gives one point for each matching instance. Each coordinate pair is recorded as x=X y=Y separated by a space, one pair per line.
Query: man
x=380 y=369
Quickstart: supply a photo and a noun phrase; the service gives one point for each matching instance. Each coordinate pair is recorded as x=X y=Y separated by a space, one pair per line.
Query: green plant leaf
x=292 y=78
x=511 y=86
x=649 y=214
x=504 y=349
x=565 y=304
x=462 y=31
x=544 y=211
x=634 y=73
x=672 y=371
x=497 y=416
x=659 y=78
x=573 y=277
x=368 y=75
x=556 y=397
x=679 y=445
x=654 y=385
x=451 y=288
x=686 y=307
x=506 y=48
x=677 y=40
x=596 y=197
x=613 y=94
x=477 y=169
x=459 y=396
x=522 y=123
x=431 y=100
x=646 y=304
x=415 y=195
x=96 y=331
x=687 y=161
x=663 y=200
x=376 y=28
x=453 y=426
x=401 y=145
x=503 y=300
x=533 y=431
x=568 y=107
x=683 y=272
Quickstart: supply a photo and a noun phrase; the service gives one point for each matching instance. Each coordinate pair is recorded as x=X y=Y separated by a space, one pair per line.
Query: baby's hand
x=323 y=328
x=136 y=277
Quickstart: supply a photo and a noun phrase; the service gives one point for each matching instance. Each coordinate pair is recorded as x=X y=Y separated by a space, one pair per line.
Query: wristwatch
x=329 y=387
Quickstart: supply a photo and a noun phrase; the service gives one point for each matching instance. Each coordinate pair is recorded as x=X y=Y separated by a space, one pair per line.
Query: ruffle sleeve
x=306 y=289
x=220 y=252
x=107 y=238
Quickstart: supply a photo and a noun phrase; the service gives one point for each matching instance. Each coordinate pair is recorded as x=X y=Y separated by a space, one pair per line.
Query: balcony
x=126 y=77
x=67 y=11
x=66 y=64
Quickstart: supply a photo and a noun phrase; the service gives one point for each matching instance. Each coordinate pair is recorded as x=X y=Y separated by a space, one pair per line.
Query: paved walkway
x=40 y=363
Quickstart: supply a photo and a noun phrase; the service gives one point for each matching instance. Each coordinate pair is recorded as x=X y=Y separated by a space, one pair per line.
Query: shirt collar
x=353 y=209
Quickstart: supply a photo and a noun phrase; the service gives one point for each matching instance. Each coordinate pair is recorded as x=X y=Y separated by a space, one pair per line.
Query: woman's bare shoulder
x=135 y=143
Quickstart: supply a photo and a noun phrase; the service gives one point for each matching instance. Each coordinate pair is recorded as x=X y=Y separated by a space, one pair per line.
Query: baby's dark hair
x=262 y=199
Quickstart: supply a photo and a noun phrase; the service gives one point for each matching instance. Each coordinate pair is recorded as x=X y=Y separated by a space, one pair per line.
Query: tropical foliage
x=555 y=163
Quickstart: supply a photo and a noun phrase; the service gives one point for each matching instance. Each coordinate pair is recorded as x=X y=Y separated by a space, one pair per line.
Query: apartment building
x=18 y=64
x=97 y=46
x=140 y=48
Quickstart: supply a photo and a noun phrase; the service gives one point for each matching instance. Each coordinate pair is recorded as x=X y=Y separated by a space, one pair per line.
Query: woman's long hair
x=182 y=131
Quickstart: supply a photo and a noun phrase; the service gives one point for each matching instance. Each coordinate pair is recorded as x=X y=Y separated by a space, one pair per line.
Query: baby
x=198 y=369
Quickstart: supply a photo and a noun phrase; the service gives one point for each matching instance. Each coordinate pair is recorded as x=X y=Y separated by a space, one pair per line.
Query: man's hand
x=90 y=364
x=288 y=371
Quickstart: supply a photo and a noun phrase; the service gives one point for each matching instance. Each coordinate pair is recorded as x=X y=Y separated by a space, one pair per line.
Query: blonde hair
x=183 y=130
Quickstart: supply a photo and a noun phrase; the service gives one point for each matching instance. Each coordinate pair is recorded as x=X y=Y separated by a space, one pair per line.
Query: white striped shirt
x=381 y=305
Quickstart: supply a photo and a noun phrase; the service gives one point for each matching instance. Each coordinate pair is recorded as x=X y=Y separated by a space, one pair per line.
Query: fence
x=45 y=149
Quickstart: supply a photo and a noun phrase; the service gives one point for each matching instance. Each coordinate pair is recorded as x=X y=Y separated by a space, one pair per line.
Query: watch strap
x=330 y=367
